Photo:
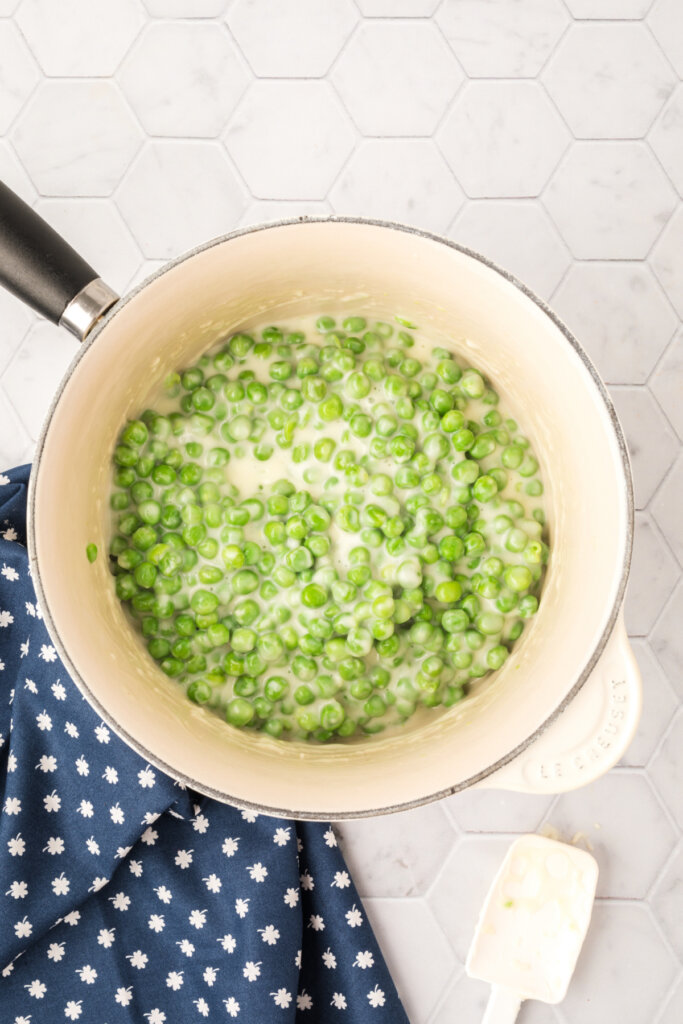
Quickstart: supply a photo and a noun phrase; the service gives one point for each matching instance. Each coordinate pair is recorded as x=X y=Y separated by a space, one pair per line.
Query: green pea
x=299 y=559
x=463 y=439
x=245 y=581
x=239 y=712
x=496 y=656
x=489 y=623
x=313 y=596
x=518 y=578
x=145 y=575
x=484 y=445
x=448 y=592
x=304 y=695
x=472 y=384
x=512 y=456
x=485 y=488
x=330 y=408
x=203 y=602
x=313 y=388
x=529 y=466
x=243 y=639
x=516 y=540
x=374 y=707
x=144 y=537
x=528 y=606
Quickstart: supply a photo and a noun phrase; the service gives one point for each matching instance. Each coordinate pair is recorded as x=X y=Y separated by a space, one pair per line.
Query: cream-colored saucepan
x=565 y=705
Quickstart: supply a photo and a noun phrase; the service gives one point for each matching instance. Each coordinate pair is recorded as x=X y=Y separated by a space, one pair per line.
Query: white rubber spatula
x=532 y=925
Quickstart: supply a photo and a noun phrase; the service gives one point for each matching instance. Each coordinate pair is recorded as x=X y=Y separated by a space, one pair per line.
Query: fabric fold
x=126 y=898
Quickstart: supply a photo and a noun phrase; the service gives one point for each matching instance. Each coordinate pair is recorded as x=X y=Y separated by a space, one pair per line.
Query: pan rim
x=322 y=815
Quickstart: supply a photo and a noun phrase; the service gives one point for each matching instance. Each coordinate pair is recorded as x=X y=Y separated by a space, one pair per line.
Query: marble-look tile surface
x=263 y=211
x=495 y=226
x=608 y=79
x=184 y=8
x=652 y=578
x=397 y=8
x=651 y=442
x=666 y=638
x=658 y=708
x=666 y=383
x=15 y=319
x=624 y=826
x=177 y=194
x=610 y=200
x=470 y=998
x=667 y=260
x=667 y=766
x=623 y=947
x=398 y=854
x=293 y=38
x=406 y=180
x=40 y=360
x=620 y=314
x=616 y=9
x=667 y=506
x=494 y=810
x=13 y=436
x=76 y=155
x=664 y=20
x=183 y=80
x=499 y=39
x=79 y=37
x=308 y=134
x=396 y=77
x=502 y=138
x=666 y=900
x=666 y=137
x=13 y=173
x=19 y=74
x=415 y=949
x=673 y=1010
x=458 y=892
x=547 y=134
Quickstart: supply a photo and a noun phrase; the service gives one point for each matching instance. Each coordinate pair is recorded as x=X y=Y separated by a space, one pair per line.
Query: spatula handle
x=503 y=1006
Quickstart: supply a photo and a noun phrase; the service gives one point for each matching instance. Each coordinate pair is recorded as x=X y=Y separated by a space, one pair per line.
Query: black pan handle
x=42 y=270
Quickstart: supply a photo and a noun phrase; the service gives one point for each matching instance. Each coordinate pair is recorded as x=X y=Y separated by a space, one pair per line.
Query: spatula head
x=534 y=920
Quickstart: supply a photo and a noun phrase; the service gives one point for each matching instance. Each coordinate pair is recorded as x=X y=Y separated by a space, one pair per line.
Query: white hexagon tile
x=492 y=226
x=652 y=579
x=416 y=950
x=183 y=79
x=290 y=139
x=79 y=38
x=396 y=77
x=546 y=134
x=500 y=39
x=610 y=200
x=608 y=79
x=399 y=179
x=293 y=38
x=503 y=139
x=621 y=314
x=177 y=194
x=666 y=383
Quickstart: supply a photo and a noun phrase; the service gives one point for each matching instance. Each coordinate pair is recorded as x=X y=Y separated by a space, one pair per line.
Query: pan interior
x=280 y=272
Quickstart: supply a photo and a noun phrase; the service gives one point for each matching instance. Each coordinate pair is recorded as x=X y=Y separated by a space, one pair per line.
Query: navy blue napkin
x=125 y=897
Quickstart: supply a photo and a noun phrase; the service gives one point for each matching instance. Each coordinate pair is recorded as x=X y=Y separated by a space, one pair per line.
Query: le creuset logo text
x=578 y=760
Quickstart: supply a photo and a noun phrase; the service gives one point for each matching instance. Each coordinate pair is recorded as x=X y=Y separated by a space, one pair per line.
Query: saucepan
x=564 y=706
